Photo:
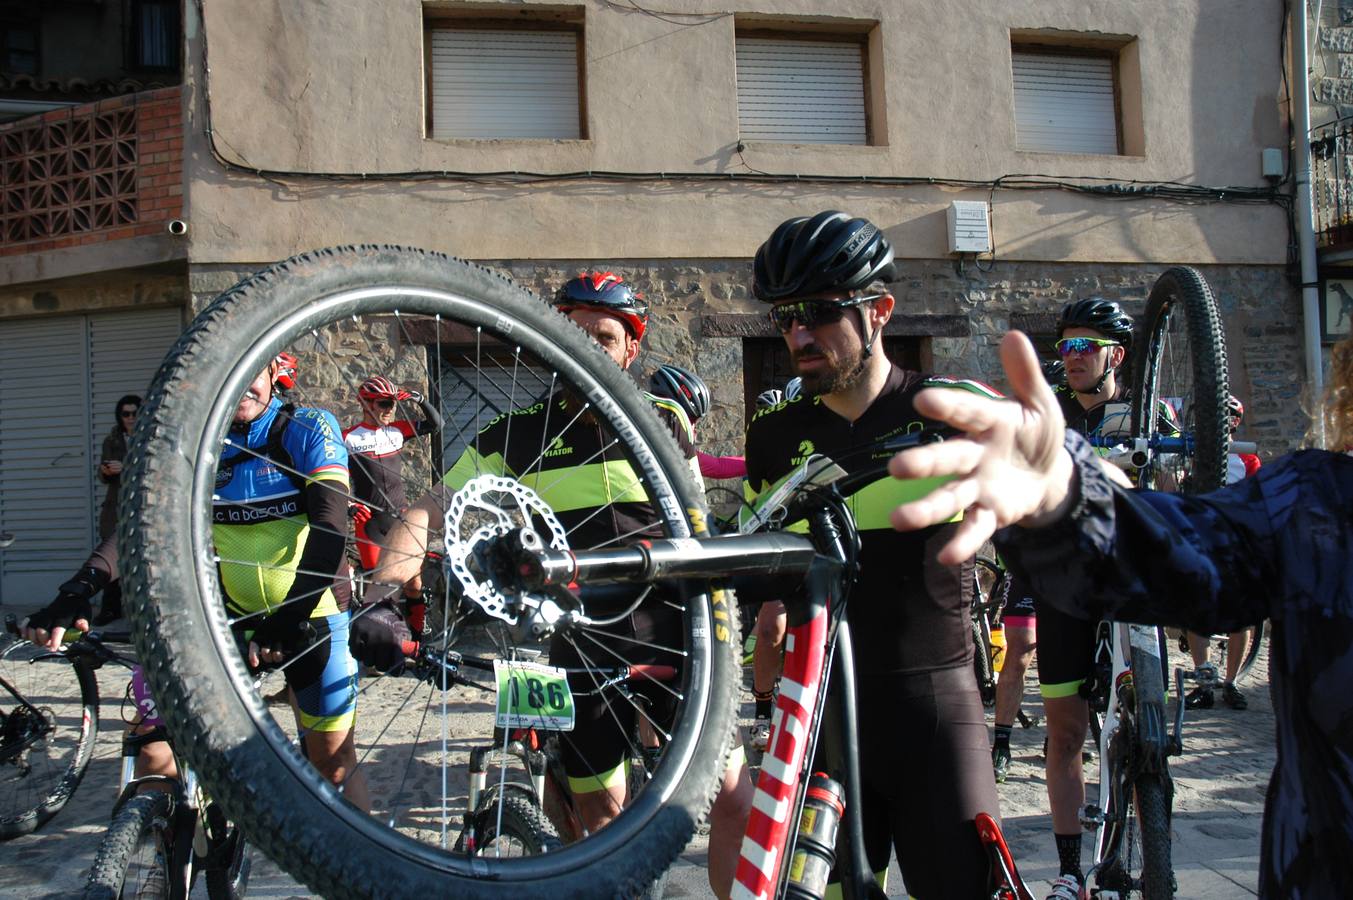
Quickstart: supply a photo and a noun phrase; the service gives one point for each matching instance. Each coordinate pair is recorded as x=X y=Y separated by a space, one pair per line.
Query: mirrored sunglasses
x=813 y=313
x=1080 y=346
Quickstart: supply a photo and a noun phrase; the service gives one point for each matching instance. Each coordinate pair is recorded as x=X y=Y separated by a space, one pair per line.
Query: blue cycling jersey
x=259 y=520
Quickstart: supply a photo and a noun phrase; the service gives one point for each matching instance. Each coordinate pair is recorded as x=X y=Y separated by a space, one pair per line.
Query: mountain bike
x=1180 y=366
x=485 y=348
x=48 y=726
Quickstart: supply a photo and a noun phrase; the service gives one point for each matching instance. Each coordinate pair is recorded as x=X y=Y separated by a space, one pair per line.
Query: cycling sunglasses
x=383 y=404
x=128 y=413
x=1080 y=346
x=813 y=313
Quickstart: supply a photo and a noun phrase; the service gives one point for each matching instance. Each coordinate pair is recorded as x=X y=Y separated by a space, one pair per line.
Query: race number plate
x=532 y=696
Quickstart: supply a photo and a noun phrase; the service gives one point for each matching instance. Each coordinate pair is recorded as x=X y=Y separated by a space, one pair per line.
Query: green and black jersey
x=576 y=466
x=908 y=612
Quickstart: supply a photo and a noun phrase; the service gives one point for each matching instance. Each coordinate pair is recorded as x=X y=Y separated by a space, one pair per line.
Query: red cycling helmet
x=286 y=370
x=378 y=387
x=606 y=292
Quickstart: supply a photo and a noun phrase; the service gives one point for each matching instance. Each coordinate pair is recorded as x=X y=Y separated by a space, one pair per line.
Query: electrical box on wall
x=969 y=227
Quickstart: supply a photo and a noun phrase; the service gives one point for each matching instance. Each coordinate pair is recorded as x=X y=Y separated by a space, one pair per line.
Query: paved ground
x=1218 y=803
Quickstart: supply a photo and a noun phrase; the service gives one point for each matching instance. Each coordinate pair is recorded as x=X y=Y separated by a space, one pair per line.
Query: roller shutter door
x=59 y=380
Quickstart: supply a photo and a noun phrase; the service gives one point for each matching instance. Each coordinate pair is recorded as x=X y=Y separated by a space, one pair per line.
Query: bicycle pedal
x=1091 y=817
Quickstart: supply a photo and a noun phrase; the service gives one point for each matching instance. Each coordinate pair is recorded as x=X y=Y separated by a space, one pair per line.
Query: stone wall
x=694 y=300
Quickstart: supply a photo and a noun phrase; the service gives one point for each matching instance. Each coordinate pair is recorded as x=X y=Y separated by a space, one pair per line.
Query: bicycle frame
x=818 y=637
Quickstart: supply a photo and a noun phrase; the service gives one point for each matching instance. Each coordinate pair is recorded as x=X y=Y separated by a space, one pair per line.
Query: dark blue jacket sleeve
x=1206 y=563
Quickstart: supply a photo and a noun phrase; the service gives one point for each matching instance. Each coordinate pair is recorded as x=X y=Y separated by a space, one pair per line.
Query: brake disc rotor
x=487 y=509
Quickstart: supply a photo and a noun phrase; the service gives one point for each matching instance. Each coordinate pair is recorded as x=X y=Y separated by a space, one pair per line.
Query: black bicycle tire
x=133 y=823
x=329 y=846
x=1150 y=801
x=1186 y=286
x=1151 y=798
x=28 y=821
x=522 y=819
x=230 y=882
x=1252 y=652
x=981 y=664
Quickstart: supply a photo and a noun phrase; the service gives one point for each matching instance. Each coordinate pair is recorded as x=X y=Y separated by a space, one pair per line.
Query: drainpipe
x=1310 y=283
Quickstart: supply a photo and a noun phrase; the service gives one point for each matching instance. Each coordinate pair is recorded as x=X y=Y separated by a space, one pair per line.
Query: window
x=803 y=89
x=487 y=82
x=153 y=34
x=19 y=44
x=1081 y=96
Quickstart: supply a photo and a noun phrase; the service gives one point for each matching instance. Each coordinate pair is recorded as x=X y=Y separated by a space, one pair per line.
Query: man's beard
x=839 y=374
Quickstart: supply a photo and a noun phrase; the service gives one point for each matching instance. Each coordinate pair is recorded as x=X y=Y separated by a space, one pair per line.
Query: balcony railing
x=97 y=172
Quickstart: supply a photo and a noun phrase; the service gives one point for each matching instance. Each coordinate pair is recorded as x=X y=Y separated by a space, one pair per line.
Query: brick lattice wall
x=99 y=172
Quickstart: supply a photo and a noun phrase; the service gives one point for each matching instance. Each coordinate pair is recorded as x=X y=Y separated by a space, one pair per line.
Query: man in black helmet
x=923 y=744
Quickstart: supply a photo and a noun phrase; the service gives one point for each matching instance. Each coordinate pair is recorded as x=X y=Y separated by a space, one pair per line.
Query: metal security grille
x=504 y=84
x=1065 y=104
x=802 y=92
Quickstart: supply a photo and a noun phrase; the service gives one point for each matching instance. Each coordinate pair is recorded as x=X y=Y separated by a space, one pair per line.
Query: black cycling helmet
x=1100 y=315
x=683 y=386
x=1054 y=372
x=829 y=252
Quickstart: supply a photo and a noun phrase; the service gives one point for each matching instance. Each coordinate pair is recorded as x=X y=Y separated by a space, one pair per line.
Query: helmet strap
x=1099 y=385
x=872 y=337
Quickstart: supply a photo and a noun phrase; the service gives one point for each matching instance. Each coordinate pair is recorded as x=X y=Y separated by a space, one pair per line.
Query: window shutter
x=471 y=398
x=504 y=84
x=1065 y=104
x=801 y=92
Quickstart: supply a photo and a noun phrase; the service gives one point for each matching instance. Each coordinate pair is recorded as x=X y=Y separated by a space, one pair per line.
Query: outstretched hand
x=1009 y=467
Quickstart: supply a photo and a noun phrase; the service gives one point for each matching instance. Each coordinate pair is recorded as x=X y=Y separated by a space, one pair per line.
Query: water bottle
x=815 y=847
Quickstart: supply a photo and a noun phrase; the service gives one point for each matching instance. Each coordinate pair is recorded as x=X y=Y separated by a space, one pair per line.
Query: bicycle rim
x=482 y=348
x=1181 y=364
x=46 y=745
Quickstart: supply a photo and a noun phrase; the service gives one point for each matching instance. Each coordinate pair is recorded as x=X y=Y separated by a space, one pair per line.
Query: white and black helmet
x=683 y=386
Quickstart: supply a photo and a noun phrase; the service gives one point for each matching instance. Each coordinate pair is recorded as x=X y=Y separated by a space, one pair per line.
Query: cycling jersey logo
x=557 y=448
x=223 y=475
x=806 y=450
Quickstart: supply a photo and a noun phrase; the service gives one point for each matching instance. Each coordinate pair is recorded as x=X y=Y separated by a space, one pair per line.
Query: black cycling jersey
x=908 y=612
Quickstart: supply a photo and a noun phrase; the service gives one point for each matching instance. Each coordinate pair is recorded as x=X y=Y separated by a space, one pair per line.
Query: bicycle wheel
x=514 y=826
x=1180 y=374
x=1151 y=789
x=483 y=348
x=131 y=860
x=49 y=720
x=1152 y=797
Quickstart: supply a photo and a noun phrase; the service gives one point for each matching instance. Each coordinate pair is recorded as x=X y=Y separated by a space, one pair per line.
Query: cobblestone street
x=1219 y=793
